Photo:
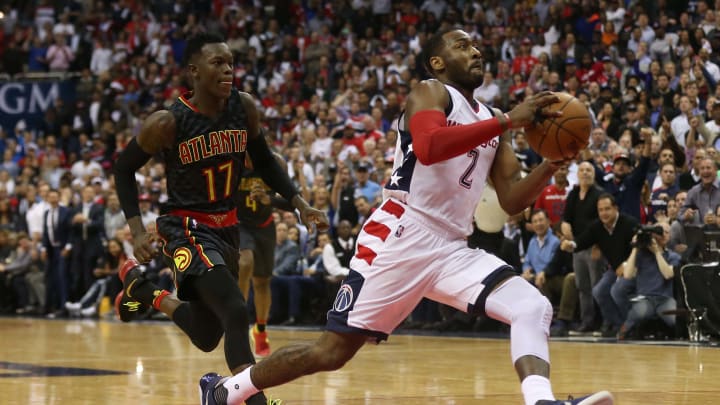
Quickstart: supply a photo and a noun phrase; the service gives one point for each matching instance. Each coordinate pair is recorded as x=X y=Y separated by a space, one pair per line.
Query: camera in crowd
x=643 y=237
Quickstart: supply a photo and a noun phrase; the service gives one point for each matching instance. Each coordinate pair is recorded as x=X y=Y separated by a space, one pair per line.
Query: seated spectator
x=560 y=289
x=541 y=249
x=366 y=187
x=107 y=283
x=287 y=252
x=364 y=209
x=12 y=273
x=612 y=232
x=292 y=281
x=652 y=267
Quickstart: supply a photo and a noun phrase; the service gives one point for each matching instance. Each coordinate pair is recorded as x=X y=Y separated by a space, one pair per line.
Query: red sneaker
x=261 y=341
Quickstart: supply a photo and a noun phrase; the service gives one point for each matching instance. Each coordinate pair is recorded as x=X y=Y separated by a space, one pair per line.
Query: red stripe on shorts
x=377 y=229
x=365 y=253
x=393 y=208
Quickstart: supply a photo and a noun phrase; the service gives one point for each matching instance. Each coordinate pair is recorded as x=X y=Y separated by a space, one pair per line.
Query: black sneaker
x=126 y=306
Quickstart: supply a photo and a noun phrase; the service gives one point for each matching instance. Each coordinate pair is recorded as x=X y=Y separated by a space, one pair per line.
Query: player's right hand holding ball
x=530 y=109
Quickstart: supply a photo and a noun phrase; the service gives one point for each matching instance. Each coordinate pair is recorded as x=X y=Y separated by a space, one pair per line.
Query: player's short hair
x=195 y=44
x=433 y=47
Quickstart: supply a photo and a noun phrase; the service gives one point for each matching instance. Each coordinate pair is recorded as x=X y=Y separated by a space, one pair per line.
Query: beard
x=464 y=78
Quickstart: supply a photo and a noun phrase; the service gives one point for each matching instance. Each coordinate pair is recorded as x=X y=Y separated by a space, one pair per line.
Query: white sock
x=536 y=388
x=240 y=387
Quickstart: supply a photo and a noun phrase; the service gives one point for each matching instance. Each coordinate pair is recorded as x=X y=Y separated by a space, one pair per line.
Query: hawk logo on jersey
x=344 y=298
x=182 y=258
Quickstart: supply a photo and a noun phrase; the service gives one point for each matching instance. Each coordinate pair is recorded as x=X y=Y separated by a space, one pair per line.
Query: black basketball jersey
x=204 y=165
x=251 y=212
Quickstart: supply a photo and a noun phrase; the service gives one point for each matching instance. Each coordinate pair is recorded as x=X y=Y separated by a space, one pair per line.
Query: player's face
x=463 y=61
x=212 y=70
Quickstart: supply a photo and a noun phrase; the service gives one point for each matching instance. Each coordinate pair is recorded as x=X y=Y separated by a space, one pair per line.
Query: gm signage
x=29 y=100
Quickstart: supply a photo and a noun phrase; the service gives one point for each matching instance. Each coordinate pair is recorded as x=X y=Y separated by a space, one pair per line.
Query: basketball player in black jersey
x=202 y=139
x=257 y=245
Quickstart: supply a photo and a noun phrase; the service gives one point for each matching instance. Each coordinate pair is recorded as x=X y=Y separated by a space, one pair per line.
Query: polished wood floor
x=74 y=362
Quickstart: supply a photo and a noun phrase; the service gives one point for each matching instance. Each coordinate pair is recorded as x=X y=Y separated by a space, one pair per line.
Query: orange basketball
x=561 y=137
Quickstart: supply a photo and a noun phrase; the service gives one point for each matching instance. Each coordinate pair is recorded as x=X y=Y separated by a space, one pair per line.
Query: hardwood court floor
x=104 y=362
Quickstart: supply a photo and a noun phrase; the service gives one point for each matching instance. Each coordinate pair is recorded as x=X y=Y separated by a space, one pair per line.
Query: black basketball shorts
x=261 y=240
x=192 y=247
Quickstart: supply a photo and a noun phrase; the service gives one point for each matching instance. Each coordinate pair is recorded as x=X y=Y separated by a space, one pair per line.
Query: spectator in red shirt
x=589 y=71
x=552 y=199
x=524 y=62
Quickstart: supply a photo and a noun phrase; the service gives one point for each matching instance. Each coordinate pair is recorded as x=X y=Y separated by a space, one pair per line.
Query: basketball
x=560 y=138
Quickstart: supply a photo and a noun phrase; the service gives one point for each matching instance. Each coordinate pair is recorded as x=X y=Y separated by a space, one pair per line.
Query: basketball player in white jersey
x=414 y=246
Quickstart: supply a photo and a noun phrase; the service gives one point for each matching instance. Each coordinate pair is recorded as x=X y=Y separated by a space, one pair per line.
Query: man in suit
x=88 y=232
x=56 y=248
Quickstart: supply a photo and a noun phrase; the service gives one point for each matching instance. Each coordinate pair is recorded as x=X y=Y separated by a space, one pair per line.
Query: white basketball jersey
x=445 y=193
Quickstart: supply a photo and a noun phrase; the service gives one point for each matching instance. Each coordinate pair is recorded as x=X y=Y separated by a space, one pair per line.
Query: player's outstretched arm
x=156 y=133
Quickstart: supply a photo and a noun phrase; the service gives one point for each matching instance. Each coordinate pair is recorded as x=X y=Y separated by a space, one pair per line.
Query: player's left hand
x=311 y=216
x=259 y=194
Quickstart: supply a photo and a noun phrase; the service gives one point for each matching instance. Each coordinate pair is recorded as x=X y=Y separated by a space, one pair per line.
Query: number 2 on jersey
x=209 y=174
x=465 y=179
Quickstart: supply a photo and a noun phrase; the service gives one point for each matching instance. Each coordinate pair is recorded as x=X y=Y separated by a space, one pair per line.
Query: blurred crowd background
x=330 y=79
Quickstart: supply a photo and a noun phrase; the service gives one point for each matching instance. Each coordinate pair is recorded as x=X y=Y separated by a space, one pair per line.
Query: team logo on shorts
x=182 y=258
x=344 y=298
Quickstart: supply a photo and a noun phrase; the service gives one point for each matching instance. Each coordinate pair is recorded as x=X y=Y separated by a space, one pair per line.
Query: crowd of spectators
x=330 y=79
